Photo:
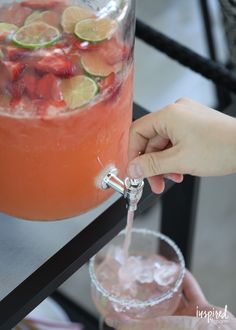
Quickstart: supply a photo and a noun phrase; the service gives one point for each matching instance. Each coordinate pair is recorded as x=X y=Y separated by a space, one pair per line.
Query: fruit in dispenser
x=65 y=107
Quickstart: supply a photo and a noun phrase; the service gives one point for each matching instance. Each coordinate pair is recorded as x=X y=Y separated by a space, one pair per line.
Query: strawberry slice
x=48 y=88
x=14 y=53
x=30 y=83
x=75 y=59
x=107 y=83
x=13 y=69
x=17 y=90
x=56 y=64
x=40 y=4
x=114 y=51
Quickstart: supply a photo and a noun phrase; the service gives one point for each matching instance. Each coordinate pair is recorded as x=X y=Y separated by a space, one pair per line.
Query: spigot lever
x=131 y=189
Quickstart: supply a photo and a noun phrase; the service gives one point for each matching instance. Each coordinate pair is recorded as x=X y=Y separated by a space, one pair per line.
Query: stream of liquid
x=140 y=276
x=128 y=235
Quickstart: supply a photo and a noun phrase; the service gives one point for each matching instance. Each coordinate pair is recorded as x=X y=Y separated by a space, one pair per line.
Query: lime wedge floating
x=36 y=35
x=33 y=17
x=79 y=91
x=95 y=65
x=72 y=15
x=95 y=29
x=6 y=29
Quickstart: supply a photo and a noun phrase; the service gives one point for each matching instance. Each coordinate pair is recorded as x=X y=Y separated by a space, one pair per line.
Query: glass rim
x=134 y=303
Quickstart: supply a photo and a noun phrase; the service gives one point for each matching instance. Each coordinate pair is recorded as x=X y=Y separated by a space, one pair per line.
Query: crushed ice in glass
x=137 y=276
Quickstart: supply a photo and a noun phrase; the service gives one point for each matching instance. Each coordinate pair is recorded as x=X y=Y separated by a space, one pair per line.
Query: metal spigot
x=131 y=189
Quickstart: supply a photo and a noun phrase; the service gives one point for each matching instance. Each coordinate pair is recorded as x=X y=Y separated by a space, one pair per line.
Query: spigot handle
x=131 y=189
x=133 y=192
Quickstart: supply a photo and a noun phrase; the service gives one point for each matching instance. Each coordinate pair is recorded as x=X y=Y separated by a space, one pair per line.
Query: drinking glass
x=125 y=313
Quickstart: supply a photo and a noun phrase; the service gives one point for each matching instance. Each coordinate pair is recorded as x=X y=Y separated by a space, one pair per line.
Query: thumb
x=155 y=163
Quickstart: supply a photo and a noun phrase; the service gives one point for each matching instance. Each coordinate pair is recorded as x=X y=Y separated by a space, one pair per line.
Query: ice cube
x=157 y=265
x=166 y=275
x=129 y=269
x=146 y=272
x=128 y=272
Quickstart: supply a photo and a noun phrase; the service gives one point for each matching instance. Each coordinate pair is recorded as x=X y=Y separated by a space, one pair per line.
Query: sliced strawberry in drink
x=4 y=77
x=75 y=59
x=17 y=90
x=114 y=51
x=108 y=82
x=14 y=53
x=30 y=82
x=48 y=87
x=14 y=69
x=56 y=64
x=68 y=40
x=58 y=103
x=40 y=4
x=37 y=55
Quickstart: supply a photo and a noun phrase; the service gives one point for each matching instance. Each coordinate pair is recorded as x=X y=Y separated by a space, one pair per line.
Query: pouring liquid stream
x=128 y=235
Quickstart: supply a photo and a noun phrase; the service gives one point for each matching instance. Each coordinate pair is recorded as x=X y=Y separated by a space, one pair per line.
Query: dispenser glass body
x=66 y=92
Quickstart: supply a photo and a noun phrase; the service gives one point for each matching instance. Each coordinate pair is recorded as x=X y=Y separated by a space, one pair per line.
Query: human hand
x=193 y=298
x=182 y=138
x=193 y=312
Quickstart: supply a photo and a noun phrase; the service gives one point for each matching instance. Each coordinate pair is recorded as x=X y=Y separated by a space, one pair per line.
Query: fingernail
x=135 y=171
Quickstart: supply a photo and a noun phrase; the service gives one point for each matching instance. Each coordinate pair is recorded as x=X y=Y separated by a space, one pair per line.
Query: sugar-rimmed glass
x=124 y=313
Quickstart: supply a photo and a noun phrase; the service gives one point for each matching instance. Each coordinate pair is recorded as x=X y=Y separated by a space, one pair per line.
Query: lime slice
x=33 y=17
x=79 y=91
x=95 y=29
x=36 y=35
x=95 y=65
x=72 y=15
x=6 y=29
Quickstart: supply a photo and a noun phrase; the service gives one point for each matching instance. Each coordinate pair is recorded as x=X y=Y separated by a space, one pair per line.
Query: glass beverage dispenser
x=66 y=90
